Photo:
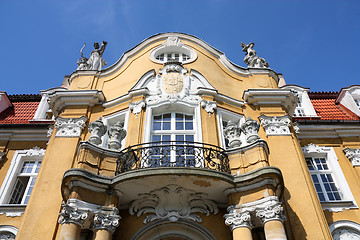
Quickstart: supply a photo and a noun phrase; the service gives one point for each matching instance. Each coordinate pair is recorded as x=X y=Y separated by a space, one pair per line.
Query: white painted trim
x=344 y=224
x=348 y=200
x=347 y=97
x=34 y=154
x=334 y=130
x=8 y=228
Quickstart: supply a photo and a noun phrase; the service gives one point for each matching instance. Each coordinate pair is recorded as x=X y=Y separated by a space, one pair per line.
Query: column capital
x=106 y=219
x=72 y=214
x=236 y=219
x=271 y=212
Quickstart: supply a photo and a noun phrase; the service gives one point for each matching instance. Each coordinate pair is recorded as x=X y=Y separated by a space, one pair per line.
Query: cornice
x=283 y=97
x=159 y=38
x=328 y=130
x=59 y=99
x=29 y=133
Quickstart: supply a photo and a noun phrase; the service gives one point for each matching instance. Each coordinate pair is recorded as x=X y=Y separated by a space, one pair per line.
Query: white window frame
x=177 y=107
x=329 y=154
x=122 y=116
x=225 y=115
x=20 y=156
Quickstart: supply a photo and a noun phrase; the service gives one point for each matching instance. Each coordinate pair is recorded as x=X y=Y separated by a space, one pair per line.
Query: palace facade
x=174 y=141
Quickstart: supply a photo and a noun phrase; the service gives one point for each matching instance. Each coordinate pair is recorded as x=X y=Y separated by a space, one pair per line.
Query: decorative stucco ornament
x=250 y=128
x=251 y=59
x=271 y=212
x=172 y=84
x=106 y=219
x=97 y=129
x=346 y=234
x=95 y=61
x=35 y=151
x=69 y=127
x=136 y=107
x=312 y=148
x=173 y=41
x=172 y=203
x=353 y=154
x=232 y=133
x=275 y=125
x=72 y=214
x=236 y=219
x=209 y=106
x=116 y=134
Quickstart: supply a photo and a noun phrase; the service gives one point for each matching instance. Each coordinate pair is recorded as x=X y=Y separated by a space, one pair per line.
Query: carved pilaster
x=232 y=133
x=97 y=129
x=353 y=154
x=136 y=107
x=116 y=134
x=250 y=128
x=270 y=213
x=236 y=219
x=69 y=127
x=275 y=125
x=209 y=106
x=72 y=214
x=106 y=219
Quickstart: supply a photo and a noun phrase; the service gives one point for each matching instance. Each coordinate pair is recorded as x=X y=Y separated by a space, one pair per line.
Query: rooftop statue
x=251 y=58
x=95 y=61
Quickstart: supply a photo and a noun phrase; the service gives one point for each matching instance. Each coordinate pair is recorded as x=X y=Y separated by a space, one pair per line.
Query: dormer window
x=173 y=49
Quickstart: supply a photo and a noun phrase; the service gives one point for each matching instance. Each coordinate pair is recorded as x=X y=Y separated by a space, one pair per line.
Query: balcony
x=172 y=154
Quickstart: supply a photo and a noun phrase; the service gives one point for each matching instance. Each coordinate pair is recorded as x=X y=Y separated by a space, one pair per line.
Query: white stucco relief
x=173 y=203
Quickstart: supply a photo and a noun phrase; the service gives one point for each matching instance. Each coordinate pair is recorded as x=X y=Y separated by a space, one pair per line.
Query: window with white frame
x=329 y=181
x=224 y=117
x=168 y=130
x=179 y=57
x=21 y=176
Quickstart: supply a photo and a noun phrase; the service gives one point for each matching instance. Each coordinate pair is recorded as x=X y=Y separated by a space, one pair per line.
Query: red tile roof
x=327 y=109
x=23 y=111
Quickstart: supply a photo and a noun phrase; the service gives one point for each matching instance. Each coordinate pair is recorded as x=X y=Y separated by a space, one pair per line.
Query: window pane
x=156 y=126
x=166 y=126
x=179 y=126
x=189 y=138
x=167 y=117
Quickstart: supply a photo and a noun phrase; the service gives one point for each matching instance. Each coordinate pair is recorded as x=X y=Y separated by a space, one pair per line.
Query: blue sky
x=314 y=44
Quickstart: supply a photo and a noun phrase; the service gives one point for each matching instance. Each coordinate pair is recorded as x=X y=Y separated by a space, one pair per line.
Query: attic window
x=173 y=49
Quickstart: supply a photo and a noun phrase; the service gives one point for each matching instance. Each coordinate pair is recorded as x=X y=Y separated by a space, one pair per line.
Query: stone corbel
x=70 y=127
x=353 y=154
x=106 y=219
x=236 y=219
x=209 y=106
x=276 y=125
x=136 y=107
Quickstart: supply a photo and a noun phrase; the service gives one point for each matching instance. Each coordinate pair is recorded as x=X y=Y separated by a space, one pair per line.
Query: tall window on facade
x=173 y=132
x=323 y=179
x=25 y=182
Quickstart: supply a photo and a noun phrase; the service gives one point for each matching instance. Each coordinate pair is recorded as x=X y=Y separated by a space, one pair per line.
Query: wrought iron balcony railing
x=172 y=154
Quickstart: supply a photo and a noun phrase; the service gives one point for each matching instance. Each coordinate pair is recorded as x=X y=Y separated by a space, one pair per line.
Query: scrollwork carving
x=236 y=219
x=172 y=202
x=72 y=214
x=275 y=125
x=136 y=107
x=209 y=106
x=69 y=127
x=271 y=213
x=353 y=154
x=107 y=219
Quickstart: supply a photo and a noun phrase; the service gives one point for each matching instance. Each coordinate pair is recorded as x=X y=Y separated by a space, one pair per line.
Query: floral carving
x=69 y=127
x=72 y=214
x=271 y=213
x=250 y=128
x=275 y=125
x=107 y=219
x=97 y=129
x=136 y=107
x=172 y=202
x=353 y=154
x=236 y=219
x=116 y=134
x=232 y=133
x=209 y=106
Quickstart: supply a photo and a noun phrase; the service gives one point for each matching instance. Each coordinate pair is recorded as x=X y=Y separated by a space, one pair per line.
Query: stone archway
x=180 y=230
